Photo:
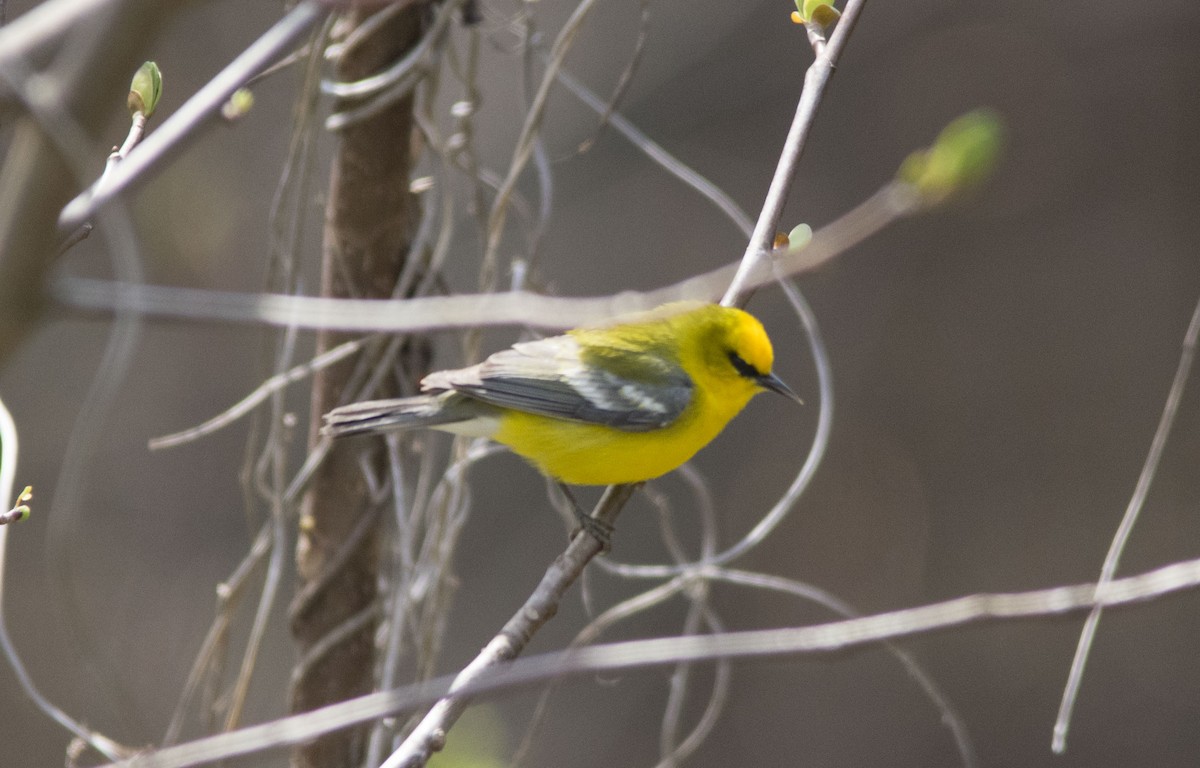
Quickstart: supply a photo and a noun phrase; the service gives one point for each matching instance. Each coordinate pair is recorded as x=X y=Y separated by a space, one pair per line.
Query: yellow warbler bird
x=614 y=404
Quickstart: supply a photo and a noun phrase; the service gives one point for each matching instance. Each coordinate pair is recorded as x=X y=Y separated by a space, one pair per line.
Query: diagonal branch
x=815 y=80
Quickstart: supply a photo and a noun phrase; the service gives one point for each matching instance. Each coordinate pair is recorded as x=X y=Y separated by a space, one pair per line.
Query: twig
x=229 y=593
x=529 y=130
x=949 y=717
x=657 y=153
x=277 y=451
x=815 y=80
x=1125 y=529
x=430 y=734
x=261 y=392
x=42 y=25
x=820 y=638
x=181 y=126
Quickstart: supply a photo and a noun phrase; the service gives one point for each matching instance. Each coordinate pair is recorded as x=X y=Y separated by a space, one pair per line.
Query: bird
x=623 y=402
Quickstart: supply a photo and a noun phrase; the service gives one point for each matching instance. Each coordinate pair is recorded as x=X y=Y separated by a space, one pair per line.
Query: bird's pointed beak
x=775 y=384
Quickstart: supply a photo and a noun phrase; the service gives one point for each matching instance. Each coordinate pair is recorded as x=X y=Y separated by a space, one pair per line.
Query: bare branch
x=426 y=313
x=820 y=638
x=815 y=79
x=182 y=126
x=1125 y=529
x=430 y=734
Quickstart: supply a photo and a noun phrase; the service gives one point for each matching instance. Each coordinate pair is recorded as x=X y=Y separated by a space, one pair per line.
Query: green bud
x=963 y=155
x=241 y=102
x=14 y=515
x=145 y=90
x=820 y=12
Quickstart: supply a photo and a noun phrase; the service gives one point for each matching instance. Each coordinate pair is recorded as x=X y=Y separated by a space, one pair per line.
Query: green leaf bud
x=145 y=90
x=963 y=155
x=240 y=103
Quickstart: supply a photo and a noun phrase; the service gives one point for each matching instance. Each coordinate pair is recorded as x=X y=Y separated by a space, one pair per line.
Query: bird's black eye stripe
x=744 y=368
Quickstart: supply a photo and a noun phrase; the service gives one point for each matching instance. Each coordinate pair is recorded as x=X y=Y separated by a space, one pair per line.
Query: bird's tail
x=374 y=416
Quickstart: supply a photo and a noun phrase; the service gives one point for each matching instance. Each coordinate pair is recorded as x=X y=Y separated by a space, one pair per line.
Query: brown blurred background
x=1000 y=367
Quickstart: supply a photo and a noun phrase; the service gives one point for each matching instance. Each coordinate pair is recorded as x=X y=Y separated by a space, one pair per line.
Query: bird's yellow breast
x=588 y=454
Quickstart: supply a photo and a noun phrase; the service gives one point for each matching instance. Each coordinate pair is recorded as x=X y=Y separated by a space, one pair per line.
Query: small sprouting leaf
x=799 y=237
x=963 y=155
x=822 y=13
x=819 y=12
x=145 y=90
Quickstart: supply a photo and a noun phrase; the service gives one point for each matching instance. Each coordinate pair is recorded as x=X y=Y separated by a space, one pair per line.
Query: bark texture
x=370 y=218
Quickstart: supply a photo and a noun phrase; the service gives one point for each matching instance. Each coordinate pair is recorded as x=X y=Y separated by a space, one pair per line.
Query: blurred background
x=1000 y=367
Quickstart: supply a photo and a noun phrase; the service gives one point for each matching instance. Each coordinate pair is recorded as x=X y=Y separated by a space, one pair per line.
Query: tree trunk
x=370 y=218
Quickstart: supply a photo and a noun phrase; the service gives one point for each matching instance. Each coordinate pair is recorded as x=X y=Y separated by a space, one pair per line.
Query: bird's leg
x=597 y=529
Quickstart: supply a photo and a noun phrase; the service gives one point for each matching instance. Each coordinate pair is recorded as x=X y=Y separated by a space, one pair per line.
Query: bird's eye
x=744 y=368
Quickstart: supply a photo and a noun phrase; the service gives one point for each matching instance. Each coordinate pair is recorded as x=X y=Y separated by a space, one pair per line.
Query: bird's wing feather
x=620 y=388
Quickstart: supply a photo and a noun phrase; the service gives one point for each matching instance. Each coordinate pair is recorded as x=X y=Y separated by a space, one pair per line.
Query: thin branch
x=277 y=442
x=260 y=394
x=816 y=78
x=182 y=126
x=1125 y=529
x=43 y=24
x=229 y=594
x=949 y=717
x=430 y=734
x=658 y=154
x=525 y=142
x=634 y=654
x=891 y=203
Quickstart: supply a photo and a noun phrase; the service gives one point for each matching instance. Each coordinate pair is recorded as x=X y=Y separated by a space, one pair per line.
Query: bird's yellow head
x=735 y=350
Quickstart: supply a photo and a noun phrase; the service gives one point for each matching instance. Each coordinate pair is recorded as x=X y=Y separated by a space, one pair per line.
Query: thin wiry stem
x=625 y=79
x=533 y=120
x=645 y=600
x=395 y=83
x=659 y=155
x=698 y=611
x=1136 y=502
x=279 y=540
x=229 y=594
x=57 y=122
x=639 y=603
x=260 y=394
x=722 y=677
x=949 y=716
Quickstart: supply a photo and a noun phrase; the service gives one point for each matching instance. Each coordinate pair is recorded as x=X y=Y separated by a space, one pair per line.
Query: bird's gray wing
x=622 y=388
